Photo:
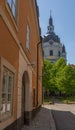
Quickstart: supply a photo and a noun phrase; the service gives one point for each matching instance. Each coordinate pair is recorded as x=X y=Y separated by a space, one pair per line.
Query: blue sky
x=63 y=13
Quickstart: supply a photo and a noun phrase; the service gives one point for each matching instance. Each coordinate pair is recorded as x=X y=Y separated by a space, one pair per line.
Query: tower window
x=58 y=53
x=51 y=52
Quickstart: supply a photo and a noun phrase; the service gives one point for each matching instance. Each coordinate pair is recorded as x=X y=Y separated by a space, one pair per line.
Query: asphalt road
x=64 y=115
x=64 y=120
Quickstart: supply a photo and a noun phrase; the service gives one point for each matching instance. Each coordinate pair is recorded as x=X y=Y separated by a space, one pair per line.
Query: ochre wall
x=10 y=51
x=28 y=15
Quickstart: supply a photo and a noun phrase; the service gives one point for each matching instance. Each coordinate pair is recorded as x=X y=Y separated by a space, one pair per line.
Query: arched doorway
x=25 y=97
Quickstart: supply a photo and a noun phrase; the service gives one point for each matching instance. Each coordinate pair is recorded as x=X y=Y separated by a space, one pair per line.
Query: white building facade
x=53 y=49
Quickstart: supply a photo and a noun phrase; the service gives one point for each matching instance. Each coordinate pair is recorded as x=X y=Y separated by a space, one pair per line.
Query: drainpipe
x=39 y=43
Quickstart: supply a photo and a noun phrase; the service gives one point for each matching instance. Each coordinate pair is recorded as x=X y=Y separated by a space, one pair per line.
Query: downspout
x=40 y=42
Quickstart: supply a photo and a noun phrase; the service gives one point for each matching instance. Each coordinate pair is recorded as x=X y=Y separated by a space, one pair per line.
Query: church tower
x=50 y=26
x=52 y=47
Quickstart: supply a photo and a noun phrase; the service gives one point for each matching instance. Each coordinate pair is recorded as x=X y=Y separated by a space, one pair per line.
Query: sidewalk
x=42 y=121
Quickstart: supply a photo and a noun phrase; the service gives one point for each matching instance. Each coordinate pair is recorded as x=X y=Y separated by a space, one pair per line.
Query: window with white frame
x=13 y=6
x=28 y=37
x=7 y=86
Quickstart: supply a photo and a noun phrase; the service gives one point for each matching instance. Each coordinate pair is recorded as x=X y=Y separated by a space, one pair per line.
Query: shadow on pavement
x=64 y=120
x=42 y=121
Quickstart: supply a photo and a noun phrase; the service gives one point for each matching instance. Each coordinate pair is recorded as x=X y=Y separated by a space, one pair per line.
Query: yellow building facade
x=20 y=63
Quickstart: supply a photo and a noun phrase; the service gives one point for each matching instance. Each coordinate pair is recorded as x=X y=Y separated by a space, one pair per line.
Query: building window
x=13 y=6
x=7 y=77
x=7 y=91
x=28 y=37
x=59 y=53
x=51 y=52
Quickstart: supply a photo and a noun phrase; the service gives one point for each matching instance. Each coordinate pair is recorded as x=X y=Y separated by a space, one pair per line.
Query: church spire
x=51 y=26
x=63 y=49
x=50 y=12
x=50 y=20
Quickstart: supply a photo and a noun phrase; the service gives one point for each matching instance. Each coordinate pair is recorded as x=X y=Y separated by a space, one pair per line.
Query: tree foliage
x=59 y=77
x=46 y=74
x=67 y=80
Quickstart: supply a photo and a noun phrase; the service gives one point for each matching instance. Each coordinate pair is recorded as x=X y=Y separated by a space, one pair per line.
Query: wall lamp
x=32 y=64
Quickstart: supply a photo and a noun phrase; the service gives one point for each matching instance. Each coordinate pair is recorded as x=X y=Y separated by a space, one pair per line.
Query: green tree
x=59 y=65
x=67 y=80
x=52 y=80
x=59 y=77
x=51 y=73
x=46 y=74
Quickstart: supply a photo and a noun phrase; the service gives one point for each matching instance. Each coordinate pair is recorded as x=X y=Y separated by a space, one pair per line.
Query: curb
x=52 y=122
x=53 y=127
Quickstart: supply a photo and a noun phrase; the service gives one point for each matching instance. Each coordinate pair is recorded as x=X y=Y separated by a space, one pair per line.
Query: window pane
x=10 y=83
x=4 y=85
x=13 y=6
x=14 y=1
x=28 y=37
x=3 y=107
x=9 y=97
x=13 y=10
x=8 y=107
x=9 y=2
x=3 y=98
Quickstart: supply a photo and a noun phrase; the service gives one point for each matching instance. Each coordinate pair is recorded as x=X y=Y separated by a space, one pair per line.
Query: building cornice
x=35 y=15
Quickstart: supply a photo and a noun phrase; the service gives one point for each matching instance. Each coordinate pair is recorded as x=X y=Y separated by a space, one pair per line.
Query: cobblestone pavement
x=42 y=121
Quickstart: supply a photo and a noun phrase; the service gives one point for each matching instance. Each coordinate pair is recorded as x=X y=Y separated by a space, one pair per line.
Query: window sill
x=5 y=123
x=4 y=117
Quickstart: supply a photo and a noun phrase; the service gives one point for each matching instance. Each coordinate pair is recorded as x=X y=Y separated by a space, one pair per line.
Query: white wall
x=23 y=66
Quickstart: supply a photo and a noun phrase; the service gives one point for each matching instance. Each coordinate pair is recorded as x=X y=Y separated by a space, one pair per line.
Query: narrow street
x=54 y=117
x=64 y=115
